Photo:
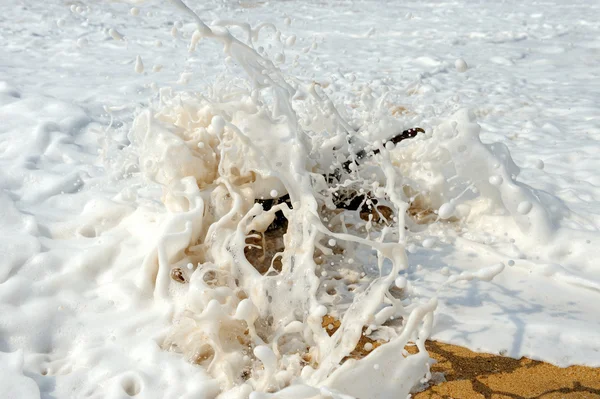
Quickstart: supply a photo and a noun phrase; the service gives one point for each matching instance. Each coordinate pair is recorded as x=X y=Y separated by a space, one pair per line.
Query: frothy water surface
x=169 y=278
x=216 y=154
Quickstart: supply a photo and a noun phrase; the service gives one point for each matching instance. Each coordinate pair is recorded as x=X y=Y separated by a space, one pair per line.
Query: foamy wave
x=264 y=310
x=312 y=304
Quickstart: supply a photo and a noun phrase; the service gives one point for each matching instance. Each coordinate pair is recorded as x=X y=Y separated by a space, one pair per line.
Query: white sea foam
x=215 y=155
x=149 y=271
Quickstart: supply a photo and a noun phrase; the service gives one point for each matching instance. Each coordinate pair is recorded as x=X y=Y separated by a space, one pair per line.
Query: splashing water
x=300 y=311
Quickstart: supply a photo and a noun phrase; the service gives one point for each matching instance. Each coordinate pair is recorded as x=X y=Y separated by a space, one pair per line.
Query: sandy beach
x=478 y=375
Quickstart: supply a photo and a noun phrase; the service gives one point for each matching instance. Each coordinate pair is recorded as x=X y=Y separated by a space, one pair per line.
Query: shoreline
x=480 y=375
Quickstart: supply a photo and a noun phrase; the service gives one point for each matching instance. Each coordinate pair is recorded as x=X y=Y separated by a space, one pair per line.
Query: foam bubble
x=496 y=180
x=460 y=65
x=400 y=282
x=139 y=65
x=290 y=41
x=447 y=210
x=539 y=164
x=524 y=207
x=115 y=34
x=217 y=124
x=429 y=242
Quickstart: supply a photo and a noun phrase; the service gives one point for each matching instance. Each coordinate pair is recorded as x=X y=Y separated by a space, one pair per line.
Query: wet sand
x=477 y=375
